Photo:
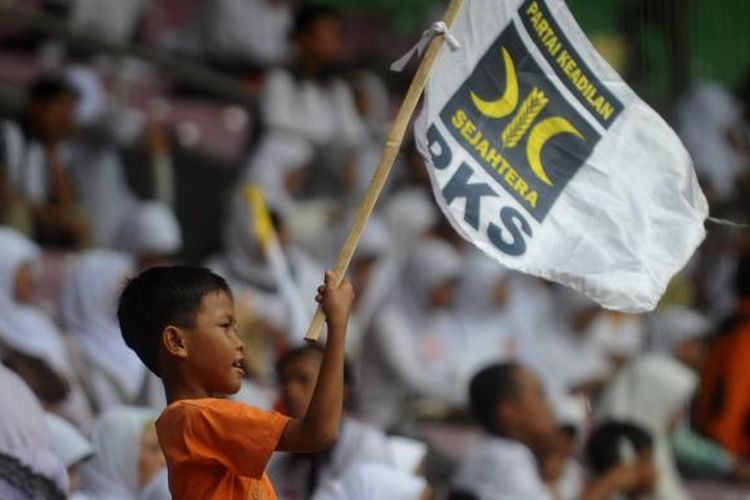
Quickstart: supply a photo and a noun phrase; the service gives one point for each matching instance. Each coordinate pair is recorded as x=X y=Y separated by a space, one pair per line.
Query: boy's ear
x=174 y=341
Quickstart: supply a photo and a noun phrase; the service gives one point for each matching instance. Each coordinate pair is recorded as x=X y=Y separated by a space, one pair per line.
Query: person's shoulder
x=216 y=408
x=497 y=451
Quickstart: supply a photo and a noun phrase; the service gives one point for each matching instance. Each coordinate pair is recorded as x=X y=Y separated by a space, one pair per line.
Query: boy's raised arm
x=318 y=429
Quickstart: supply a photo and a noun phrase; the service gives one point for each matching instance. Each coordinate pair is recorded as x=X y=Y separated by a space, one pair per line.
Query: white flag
x=547 y=161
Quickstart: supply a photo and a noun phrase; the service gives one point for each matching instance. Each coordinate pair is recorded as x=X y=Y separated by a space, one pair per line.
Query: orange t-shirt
x=217 y=448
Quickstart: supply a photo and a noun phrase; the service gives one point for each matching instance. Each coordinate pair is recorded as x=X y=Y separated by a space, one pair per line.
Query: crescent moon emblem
x=541 y=133
x=508 y=101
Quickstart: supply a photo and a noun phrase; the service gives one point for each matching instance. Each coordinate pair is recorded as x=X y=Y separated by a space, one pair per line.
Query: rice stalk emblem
x=524 y=119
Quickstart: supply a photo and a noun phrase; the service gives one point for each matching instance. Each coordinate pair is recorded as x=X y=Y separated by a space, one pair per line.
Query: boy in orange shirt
x=180 y=321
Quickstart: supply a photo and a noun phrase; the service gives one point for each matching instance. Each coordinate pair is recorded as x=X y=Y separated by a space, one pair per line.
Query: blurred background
x=129 y=130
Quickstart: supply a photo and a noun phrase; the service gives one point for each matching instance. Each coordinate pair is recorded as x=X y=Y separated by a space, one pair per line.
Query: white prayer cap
x=375 y=240
x=67 y=442
x=152 y=229
x=432 y=263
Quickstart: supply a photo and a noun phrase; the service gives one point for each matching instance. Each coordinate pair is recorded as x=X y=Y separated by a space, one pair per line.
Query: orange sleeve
x=234 y=435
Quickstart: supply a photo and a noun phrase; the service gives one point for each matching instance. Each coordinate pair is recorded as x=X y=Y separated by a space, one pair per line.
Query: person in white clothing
x=87 y=307
x=509 y=402
x=374 y=481
x=312 y=131
x=126 y=455
x=415 y=343
x=653 y=392
x=71 y=447
x=30 y=343
x=297 y=477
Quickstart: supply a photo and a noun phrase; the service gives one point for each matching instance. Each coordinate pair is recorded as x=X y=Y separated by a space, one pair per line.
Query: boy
x=180 y=321
x=298 y=476
x=508 y=401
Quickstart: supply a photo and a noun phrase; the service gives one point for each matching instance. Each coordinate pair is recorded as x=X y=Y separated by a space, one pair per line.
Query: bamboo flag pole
x=392 y=147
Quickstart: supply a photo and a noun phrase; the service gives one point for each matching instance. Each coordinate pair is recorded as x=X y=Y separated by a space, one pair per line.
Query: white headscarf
x=89 y=310
x=373 y=481
x=432 y=263
x=409 y=214
x=650 y=392
x=23 y=431
x=150 y=229
x=242 y=250
x=67 y=442
x=481 y=277
x=670 y=327
x=157 y=488
x=113 y=472
x=23 y=327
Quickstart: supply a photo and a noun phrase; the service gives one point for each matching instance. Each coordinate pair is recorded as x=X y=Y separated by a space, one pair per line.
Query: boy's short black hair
x=490 y=386
x=308 y=15
x=603 y=449
x=159 y=297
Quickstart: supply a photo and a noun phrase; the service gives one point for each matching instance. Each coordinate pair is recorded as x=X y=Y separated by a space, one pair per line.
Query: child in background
x=298 y=476
x=621 y=448
x=126 y=455
x=181 y=323
x=71 y=447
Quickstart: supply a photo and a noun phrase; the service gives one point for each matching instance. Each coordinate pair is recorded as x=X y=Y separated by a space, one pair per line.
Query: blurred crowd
x=465 y=380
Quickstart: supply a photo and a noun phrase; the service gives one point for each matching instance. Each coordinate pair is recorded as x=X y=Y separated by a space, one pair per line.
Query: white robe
x=412 y=346
x=500 y=469
x=358 y=442
x=373 y=481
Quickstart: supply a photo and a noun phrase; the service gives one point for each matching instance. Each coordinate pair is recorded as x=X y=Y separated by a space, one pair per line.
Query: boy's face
x=215 y=353
x=298 y=378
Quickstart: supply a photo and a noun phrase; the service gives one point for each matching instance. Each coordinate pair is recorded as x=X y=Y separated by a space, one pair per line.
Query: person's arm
x=318 y=429
x=617 y=479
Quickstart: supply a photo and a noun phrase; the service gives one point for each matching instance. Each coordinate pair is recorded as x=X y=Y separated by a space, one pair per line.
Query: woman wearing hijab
x=245 y=266
x=30 y=343
x=682 y=333
x=127 y=455
x=484 y=307
x=28 y=465
x=652 y=392
x=88 y=310
x=414 y=340
x=71 y=448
